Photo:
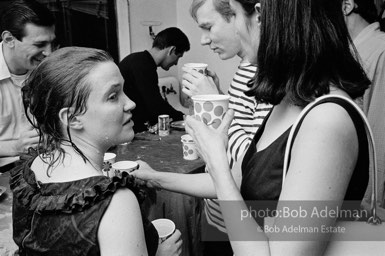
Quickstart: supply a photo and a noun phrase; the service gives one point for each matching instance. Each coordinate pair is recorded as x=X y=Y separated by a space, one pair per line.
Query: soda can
x=163 y=125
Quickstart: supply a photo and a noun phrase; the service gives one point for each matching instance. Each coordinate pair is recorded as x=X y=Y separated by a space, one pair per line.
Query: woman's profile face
x=107 y=120
x=248 y=30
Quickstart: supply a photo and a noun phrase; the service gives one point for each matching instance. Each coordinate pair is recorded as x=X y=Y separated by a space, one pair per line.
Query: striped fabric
x=248 y=116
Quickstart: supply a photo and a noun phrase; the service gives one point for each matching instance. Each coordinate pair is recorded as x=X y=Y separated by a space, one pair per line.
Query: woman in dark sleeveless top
x=303 y=53
x=63 y=205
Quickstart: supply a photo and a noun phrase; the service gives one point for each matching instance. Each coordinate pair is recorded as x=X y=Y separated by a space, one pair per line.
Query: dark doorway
x=87 y=23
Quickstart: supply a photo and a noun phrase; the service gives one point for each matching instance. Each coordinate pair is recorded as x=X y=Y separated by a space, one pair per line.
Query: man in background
x=141 y=79
x=27 y=34
x=369 y=40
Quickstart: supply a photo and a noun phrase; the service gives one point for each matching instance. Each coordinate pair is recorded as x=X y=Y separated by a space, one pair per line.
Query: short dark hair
x=20 y=12
x=221 y=6
x=172 y=37
x=300 y=55
x=366 y=9
x=60 y=81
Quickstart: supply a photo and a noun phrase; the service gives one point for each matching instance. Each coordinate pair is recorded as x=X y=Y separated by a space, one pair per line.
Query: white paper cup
x=165 y=228
x=200 y=67
x=124 y=166
x=210 y=109
x=189 y=148
x=108 y=160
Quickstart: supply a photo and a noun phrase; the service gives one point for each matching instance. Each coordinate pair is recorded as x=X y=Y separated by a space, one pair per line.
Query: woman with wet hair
x=63 y=205
x=303 y=51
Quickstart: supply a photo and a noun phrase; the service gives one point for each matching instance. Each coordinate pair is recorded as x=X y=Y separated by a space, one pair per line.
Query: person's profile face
x=107 y=120
x=247 y=29
x=217 y=32
x=171 y=60
x=34 y=46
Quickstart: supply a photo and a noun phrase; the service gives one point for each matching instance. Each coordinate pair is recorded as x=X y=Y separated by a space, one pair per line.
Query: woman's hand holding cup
x=172 y=246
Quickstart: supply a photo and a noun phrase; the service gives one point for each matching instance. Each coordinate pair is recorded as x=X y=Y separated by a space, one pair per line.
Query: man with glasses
x=27 y=33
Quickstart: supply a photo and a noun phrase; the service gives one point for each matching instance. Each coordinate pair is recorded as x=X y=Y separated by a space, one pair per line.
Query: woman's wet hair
x=60 y=81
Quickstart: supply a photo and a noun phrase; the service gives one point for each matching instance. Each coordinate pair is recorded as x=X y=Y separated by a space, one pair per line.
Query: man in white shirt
x=369 y=40
x=27 y=33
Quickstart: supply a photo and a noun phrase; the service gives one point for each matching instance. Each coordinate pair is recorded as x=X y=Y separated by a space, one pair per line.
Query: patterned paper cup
x=210 y=109
x=124 y=166
x=189 y=148
x=109 y=159
x=200 y=67
x=165 y=228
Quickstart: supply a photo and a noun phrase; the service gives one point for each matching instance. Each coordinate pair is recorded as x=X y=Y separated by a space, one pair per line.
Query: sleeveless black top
x=262 y=171
x=63 y=218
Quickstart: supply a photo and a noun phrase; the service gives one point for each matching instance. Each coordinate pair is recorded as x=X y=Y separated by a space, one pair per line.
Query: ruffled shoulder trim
x=46 y=198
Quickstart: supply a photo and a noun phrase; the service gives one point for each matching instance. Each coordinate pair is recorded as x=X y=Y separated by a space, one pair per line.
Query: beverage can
x=163 y=125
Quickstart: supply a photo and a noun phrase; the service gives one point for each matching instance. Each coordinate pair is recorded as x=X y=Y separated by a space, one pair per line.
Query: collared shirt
x=12 y=117
x=370 y=44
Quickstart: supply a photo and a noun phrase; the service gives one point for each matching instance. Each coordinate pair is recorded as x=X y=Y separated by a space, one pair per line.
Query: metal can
x=163 y=125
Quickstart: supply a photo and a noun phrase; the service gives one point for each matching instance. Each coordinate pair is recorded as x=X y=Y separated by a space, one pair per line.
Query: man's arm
x=29 y=138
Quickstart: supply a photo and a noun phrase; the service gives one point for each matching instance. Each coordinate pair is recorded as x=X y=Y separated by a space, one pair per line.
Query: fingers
x=191 y=125
x=172 y=246
x=211 y=74
x=175 y=237
x=188 y=85
x=187 y=92
x=142 y=164
x=191 y=72
x=143 y=172
x=136 y=174
x=227 y=119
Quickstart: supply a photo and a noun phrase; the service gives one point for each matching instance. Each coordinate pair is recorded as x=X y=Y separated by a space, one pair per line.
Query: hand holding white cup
x=198 y=80
x=164 y=227
x=124 y=166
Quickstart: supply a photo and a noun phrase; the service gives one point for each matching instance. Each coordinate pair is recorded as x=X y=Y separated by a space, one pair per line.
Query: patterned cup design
x=200 y=67
x=210 y=109
x=108 y=160
x=165 y=228
x=124 y=166
x=189 y=148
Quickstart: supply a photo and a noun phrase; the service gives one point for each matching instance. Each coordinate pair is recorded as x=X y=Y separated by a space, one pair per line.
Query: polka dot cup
x=189 y=148
x=108 y=161
x=210 y=109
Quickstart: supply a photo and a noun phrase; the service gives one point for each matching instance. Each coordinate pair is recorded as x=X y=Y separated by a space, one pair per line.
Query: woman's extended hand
x=172 y=246
x=211 y=143
x=146 y=174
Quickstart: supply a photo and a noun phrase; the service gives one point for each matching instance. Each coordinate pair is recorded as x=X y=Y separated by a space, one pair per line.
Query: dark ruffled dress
x=63 y=218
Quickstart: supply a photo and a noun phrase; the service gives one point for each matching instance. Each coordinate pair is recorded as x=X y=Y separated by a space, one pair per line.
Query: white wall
x=151 y=10
x=175 y=13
